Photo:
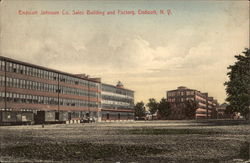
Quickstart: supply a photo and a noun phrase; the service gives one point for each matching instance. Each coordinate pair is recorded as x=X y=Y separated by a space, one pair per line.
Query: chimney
x=119 y=84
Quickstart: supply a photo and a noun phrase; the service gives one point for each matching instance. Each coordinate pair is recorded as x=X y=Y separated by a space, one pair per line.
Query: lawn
x=151 y=141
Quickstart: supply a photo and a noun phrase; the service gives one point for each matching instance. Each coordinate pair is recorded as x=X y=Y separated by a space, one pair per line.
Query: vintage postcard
x=124 y=81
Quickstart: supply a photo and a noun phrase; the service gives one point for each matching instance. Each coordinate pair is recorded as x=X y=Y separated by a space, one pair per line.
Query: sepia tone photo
x=124 y=81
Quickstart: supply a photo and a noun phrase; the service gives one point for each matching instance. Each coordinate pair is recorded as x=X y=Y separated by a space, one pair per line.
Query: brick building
x=206 y=106
x=31 y=93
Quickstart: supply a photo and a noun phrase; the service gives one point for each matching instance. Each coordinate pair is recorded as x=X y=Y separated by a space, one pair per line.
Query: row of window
x=173 y=99
x=27 y=84
x=108 y=88
x=111 y=106
x=41 y=73
x=201 y=99
x=180 y=93
x=76 y=91
x=11 y=109
x=34 y=99
x=71 y=80
x=114 y=102
x=115 y=98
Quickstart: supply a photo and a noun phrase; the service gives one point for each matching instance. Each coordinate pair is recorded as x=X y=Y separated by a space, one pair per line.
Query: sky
x=150 y=54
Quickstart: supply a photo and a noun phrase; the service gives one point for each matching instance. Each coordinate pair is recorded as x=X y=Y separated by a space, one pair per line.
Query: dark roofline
x=193 y=90
x=45 y=68
x=182 y=89
x=117 y=87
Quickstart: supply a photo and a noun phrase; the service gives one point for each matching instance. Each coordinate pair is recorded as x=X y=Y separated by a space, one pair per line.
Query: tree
x=190 y=108
x=238 y=86
x=140 y=109
x=164 y=108
x=229 y=111
x=152 y=105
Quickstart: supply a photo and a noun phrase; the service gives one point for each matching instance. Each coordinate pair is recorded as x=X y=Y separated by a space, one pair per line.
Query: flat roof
x=45 y=68
x=188 y=89
x=116 y=87
x=182 y=89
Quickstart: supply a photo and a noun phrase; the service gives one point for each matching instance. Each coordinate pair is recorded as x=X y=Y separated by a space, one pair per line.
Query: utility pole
x=58 y=103
x=5 y=85
x=88 y=102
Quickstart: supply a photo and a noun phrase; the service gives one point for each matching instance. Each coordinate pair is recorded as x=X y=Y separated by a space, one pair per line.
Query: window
x=23 y=98
x=33 y=71
x=45 y=100
x=10 y=66
x=33 y=85
x=54 y=76
x=8 y=80
x=45 y=74
x=2 y=95
x=24 y=70
x=14 y=83
x=2 y=81
x=41 y=86
x=28 y=70
x=28 y=84
x=35 y=99
x=15 y=97
x=45 y=87
x=2 y=66
x=39 y=73
x=14 y=69
x=9 y=96
x=22 y=82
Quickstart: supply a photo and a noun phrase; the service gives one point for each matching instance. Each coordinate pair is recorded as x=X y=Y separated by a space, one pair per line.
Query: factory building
x=206 y=106
x=36 y=94
x=117 y=102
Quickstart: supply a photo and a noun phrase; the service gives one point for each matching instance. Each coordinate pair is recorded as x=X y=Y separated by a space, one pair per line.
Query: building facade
x=31 y=93
x=117 y=102
x=205 y=105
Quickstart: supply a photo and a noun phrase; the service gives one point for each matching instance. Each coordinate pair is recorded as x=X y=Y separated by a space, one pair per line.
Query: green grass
x=80 y=151
x=125 y=142
x=245 y=151
x=150 y=131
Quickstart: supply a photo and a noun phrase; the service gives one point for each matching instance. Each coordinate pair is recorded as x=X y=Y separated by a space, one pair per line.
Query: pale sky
x=150 y=54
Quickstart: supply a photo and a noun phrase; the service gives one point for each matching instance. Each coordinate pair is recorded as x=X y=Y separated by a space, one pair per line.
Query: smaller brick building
x=206 y=105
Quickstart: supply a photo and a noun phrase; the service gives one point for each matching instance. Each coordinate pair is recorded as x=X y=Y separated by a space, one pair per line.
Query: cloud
x=150 y=55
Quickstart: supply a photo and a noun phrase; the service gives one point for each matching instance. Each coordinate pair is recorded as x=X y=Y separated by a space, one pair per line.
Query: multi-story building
x=205 y=105
x=31 y=93
x=117 y=102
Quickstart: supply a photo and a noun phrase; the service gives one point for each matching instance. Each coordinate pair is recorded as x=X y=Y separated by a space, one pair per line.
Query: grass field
x=153 y=141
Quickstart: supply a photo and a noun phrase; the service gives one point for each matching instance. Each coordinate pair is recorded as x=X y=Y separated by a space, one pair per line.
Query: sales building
x=31 y=93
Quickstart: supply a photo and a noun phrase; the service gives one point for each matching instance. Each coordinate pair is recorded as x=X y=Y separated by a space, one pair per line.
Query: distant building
x=30 y=93
x=206 y=106
x=222 y=114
